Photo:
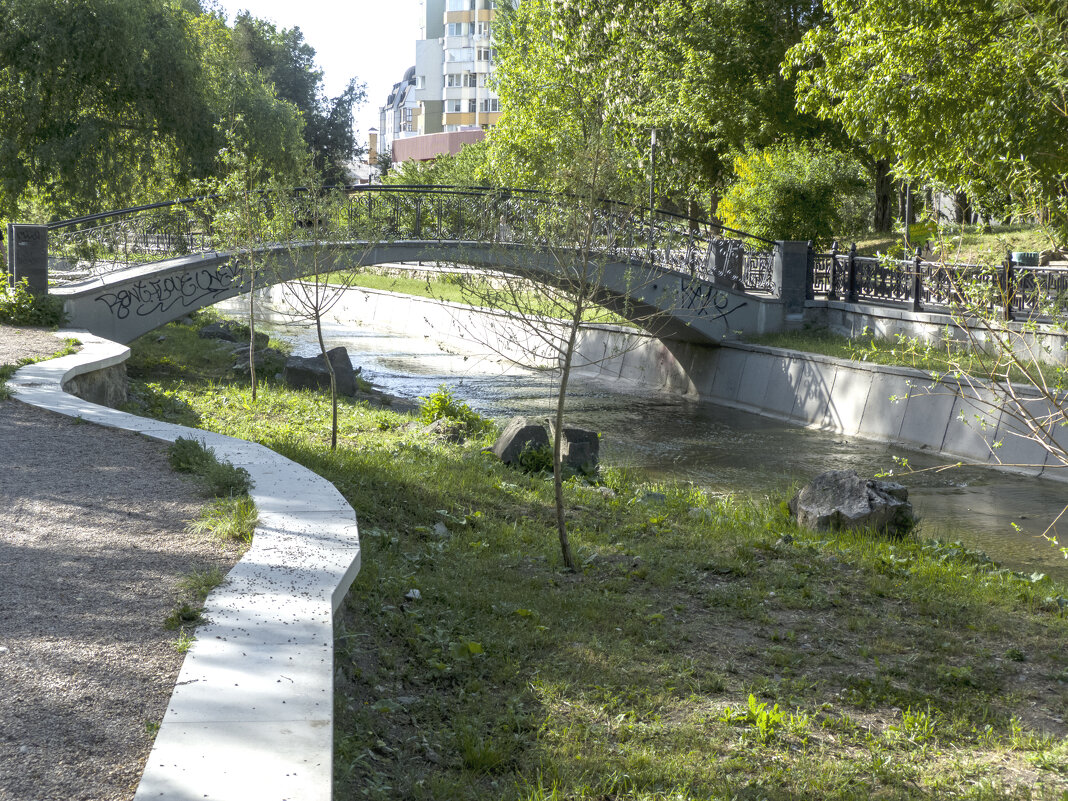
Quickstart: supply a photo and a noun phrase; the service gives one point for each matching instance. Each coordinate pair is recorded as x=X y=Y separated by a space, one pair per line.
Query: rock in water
x=311 y=372
x=842 y=499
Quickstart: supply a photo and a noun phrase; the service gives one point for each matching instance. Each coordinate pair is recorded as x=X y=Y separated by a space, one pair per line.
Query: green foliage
x=19 y=306
x=800 y=191
x=221 y=479
x=972 y=97
x=536 y=460
x=442 y=404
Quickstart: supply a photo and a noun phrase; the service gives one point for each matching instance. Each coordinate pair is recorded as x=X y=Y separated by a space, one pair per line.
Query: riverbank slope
x=708 y=648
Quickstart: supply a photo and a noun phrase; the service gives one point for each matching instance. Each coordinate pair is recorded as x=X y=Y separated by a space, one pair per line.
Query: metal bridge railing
x=1039 y=294
x=102 y=243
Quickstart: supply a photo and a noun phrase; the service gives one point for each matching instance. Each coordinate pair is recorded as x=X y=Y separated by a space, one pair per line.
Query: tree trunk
x=558 y=436
x=329 y=368
x=963 y=208
x=884 y=189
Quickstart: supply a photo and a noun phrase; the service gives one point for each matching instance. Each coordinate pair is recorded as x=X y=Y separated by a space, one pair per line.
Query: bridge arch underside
x=125 y=304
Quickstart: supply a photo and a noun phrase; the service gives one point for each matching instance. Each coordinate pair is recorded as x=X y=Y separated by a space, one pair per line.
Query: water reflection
x=715 y=447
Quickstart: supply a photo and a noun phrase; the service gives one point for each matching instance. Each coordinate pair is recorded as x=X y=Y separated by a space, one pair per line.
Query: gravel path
x=92 y=545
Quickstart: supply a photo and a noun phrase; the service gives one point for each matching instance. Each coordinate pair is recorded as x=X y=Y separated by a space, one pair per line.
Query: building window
x=471 y=104
x=457 y=29
x=482 y=29
x=491 y=104
x=485 y=54
x=471 y=80
x=454 y=79
x=461 y=5
x=453 y=106
x=420 y=82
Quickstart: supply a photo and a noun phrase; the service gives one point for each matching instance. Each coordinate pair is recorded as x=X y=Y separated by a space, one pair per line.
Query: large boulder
x=519 y=435
x=579 y=450
x=843 y=500
x=311 y=372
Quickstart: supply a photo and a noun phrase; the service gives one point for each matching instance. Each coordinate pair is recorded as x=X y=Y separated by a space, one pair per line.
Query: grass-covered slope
x=708 y=649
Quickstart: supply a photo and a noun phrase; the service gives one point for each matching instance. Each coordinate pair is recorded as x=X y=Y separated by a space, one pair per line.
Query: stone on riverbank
x=840 y=499
x=311 y=372
x=580 y=449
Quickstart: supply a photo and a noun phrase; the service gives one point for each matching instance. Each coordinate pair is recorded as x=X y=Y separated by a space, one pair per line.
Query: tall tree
x=965 y=94
x=706 y=73
x=100 y=101
x=286 y=61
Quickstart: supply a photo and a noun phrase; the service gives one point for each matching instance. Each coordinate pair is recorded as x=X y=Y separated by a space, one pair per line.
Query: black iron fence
x=1017 y=291
x=102 y=243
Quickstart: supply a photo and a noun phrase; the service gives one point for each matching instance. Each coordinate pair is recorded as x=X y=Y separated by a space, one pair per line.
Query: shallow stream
x=718 y=448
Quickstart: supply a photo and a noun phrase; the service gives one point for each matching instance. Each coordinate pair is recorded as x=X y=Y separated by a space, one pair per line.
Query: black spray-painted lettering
x=159 y=295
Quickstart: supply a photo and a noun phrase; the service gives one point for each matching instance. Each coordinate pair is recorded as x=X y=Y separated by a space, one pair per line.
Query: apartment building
x=448 y=91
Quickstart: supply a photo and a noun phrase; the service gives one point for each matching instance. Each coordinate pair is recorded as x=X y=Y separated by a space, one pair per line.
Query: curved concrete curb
x=251 y=716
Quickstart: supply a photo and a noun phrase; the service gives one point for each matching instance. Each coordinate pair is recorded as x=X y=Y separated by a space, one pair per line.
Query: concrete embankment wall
x=888 y=404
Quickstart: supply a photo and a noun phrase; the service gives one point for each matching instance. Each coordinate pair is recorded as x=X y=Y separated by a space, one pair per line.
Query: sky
x=371 y=41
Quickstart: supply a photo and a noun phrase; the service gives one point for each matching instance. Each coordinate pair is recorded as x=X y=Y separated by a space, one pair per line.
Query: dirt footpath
x=92 y=546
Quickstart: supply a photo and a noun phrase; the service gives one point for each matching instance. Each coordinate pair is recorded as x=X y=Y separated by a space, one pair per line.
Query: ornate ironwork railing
x=1018 y=292
x=102 y=243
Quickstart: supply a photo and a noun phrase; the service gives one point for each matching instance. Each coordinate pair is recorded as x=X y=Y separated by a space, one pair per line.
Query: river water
x=717 y=448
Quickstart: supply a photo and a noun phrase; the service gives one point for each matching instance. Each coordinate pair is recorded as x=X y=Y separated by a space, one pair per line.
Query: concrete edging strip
x=251 y=716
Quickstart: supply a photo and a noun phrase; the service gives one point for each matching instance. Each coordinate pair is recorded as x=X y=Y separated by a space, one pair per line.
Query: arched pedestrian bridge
x=124 y=273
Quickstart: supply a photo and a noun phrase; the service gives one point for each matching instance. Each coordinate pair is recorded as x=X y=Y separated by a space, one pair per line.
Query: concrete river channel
x=723 y=450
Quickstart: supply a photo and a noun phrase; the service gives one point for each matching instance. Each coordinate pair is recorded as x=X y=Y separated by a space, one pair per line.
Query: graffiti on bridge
x=705 y=300
x=158 y=295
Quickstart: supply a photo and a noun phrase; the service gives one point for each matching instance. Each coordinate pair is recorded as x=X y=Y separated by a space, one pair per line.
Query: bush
x=798 y=191
x=442 y=404
x=19 y=306
x=221 y=479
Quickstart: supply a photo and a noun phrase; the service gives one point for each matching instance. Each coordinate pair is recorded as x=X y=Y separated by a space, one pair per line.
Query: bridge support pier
x=27 y=256
x=789 y=270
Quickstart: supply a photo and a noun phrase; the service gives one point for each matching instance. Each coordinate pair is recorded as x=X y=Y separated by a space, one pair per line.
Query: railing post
x=810 y=273
x=1009 y=290
x=917 y=281
x=851 y=292
x=832 y=275
x=418 y=232
x=789 y=268
x=27 y=256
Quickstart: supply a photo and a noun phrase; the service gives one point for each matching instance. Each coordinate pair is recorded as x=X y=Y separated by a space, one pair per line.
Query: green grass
x=938 y=358
x=471 y=289
x=228 y=518
x=968 y=244
x=708 y=648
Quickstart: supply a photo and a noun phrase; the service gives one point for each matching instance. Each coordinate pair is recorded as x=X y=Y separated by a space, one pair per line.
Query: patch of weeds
x=221 y=479
x=765 y=721
x=232 y=519
x=184 y=614
x=184 y=641
x=152 y=727
x=481 y=753
x=536 y=460
x=917 y=727
x=442 y=405
x=194 y=588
